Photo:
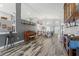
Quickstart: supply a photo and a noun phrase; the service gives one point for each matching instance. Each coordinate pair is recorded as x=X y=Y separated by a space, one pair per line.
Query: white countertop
x=2 y=33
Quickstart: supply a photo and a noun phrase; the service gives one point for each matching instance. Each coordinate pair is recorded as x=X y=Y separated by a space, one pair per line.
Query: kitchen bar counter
x=3 y=36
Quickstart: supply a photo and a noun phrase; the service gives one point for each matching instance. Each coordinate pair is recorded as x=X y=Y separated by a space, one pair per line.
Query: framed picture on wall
x=9 y=28
x=4 y=17
x=4 y=26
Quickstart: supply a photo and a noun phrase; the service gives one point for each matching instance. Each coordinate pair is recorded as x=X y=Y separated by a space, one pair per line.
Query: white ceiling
x=8 y=8
x=43 y=10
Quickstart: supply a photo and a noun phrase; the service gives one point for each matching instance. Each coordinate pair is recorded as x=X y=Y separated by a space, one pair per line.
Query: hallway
x=42 y=46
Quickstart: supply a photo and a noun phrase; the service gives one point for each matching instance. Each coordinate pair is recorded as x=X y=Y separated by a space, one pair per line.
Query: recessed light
x=1 y=5
x=57 y=22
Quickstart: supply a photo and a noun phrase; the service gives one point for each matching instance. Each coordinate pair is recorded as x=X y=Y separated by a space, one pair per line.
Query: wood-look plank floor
x=42 y=46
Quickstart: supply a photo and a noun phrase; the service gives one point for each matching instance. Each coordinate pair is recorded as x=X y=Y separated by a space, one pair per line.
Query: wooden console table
x=28 y=35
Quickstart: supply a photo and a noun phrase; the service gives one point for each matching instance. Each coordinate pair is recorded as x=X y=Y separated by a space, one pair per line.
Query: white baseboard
x=14 y=43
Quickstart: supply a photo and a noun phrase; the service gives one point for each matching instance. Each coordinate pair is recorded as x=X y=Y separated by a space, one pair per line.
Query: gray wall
x=20 y=28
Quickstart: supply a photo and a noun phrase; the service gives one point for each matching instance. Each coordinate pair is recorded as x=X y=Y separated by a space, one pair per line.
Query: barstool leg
x=5 y=43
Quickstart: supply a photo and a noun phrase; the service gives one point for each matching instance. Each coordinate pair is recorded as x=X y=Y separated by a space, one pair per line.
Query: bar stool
x=10 y=39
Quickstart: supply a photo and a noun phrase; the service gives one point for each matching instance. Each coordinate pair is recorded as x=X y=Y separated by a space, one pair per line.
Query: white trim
x=14 y=43
x=19 y=42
